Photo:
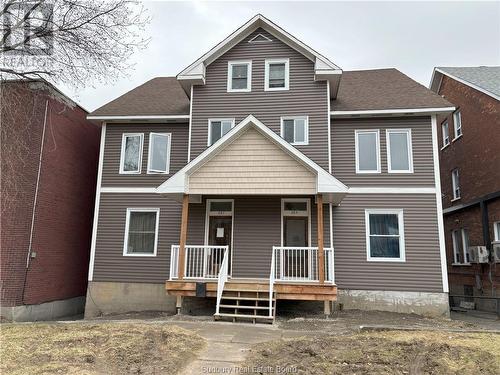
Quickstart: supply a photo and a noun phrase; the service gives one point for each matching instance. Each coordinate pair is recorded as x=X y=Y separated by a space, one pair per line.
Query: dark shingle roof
x=383 y=89
x=159 y=96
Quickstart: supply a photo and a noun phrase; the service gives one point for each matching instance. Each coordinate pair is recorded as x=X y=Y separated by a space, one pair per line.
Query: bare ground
x=104 y=348
x=392 y=352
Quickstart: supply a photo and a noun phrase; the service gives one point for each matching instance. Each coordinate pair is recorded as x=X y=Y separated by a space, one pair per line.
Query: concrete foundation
x=421 y=303
x=44 y=311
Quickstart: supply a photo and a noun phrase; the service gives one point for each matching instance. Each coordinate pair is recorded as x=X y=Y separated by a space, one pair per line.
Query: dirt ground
x=392 y=352
x=104 y=348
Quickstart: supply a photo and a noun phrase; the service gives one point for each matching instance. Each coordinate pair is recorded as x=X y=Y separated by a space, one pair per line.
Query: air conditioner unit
x=495 y=248
x=478 y=254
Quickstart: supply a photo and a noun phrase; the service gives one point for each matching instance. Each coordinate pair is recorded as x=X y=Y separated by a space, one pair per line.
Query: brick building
x=470 y=180
x=49 y=156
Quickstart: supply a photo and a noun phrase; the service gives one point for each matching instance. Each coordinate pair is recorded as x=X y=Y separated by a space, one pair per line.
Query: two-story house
x=263 y=172
x=470 y=177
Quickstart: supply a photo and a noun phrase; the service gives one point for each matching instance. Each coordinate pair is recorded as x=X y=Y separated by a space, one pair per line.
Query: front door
x=220 y=229
x=296 y=259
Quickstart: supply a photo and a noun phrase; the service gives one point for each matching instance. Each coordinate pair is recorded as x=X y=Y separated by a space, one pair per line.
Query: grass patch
x=392 y=352
x=107 y=348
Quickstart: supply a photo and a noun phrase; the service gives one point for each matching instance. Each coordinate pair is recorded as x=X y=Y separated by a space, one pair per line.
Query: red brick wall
x=64 y=210
x=477 y=158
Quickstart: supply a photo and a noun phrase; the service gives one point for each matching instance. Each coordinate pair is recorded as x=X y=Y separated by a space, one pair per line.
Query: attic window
x=259 y=38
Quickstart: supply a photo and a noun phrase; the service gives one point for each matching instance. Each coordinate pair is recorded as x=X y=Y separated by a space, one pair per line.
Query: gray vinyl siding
x=111 y=176
x=422 y=269
x=305 y=96
x=344 y=153
x=257 y=228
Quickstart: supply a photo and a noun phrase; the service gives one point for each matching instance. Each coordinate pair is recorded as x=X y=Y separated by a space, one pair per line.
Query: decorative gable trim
x=260 y=36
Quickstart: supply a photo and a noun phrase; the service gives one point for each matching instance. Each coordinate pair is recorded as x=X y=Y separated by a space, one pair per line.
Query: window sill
x=276 y=89
x=299 y=144
x=390 y=260
x=239 y=90
x=456 y=199
x=139 y=255
x=457 y=138
x=462 y=264
x=445 y=146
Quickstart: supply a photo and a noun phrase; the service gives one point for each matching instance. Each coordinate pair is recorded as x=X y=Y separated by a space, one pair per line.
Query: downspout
x=28 y=255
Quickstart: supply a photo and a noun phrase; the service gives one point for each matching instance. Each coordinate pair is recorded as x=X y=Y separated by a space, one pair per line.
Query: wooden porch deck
x=305 y=291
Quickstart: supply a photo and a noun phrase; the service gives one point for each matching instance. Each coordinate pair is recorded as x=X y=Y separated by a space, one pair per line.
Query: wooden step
x=246 y=316
x=246 y=290
x=245 y=307
x=247 y=298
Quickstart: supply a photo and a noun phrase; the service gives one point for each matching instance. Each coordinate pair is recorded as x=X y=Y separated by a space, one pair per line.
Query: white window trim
x=169 y=145
x=287 y=74
x=230 y=75
x=455 y=249
x=306 y=129
x=409 y=150
x=454 y=187
x=496 y=230
x=399 y=212
x=210 y=120
x=127 y=222
x=455 y=127
x=356 y=146
x=283 y=214
x=122 y=153
x=445 y=144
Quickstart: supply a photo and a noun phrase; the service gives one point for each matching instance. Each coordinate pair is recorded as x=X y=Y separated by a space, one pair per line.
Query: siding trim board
x=394 y=112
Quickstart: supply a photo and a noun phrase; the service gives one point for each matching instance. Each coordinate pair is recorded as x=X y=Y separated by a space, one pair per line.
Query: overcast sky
x=412 y=37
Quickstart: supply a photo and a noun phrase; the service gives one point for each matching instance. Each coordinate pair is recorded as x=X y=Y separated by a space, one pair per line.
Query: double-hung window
x=131 y=153
x=460 y=240
x=455 y=182
x=457 y=123
x=159 y=153
x=367 y=145
x=385 y=235
x=446 y=133
x=295 y=130
x=399 y=152
x=217 y=128
x=141 y=232
x=239 y=76
x=277 y=74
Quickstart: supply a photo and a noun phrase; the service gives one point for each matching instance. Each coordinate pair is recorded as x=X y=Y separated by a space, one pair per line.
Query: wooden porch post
x=182 y=241
x=321 y=255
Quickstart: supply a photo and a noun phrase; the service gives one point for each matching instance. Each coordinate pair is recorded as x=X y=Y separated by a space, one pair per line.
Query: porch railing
x=301 y=264
x=200 y=261
x=221 y=280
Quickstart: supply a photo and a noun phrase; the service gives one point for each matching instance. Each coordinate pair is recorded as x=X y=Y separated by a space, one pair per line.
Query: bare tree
x=72 y=41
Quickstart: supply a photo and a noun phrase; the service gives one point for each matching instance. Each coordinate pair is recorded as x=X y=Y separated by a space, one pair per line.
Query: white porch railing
x=221 y=280
x=272 y=276
x=301 y=264
x=200 y=261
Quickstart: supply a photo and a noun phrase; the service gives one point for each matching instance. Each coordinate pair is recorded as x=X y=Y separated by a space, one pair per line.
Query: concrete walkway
x=228 y=344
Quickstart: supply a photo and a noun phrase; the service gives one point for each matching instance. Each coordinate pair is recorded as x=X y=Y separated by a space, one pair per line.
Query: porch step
x=245 y=316
x=245 y=307
x=246 y=298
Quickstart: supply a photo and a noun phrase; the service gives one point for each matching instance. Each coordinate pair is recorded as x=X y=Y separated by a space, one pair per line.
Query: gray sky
x=412 y=37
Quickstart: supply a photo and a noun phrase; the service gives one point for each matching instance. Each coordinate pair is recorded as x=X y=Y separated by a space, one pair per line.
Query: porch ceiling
x=252 y=159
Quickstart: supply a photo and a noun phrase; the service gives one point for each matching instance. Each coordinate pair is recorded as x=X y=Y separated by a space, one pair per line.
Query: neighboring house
x=264 y=172
x=470 y=179
x=49 y=157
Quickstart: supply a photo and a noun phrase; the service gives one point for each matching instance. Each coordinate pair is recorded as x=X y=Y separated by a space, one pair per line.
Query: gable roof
x=383 y=89
x=326 y=183
x=485 y=79
x=195 y=72
x=161 y=96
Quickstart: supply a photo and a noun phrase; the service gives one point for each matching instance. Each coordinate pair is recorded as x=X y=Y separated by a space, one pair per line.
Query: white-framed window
x=455 y=182
x=367 y=145
x=457 y=124
x=239 y=76
x=131 y=153
x=159 y=152
x=446 y=133
x=141 y=232
x=496 y=230
x=295 y=130
x=217 y=128
x=277 y=74
x=385 y=235
x=460 y=241
x=399 y=151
